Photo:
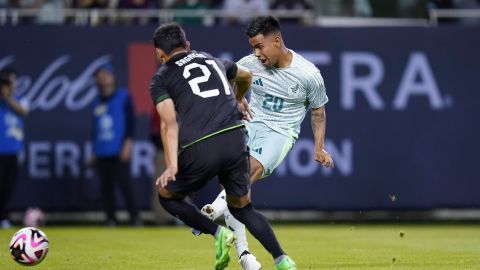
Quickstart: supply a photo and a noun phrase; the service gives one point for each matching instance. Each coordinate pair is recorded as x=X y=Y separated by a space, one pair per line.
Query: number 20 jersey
x=204 y=101
x=281 y=97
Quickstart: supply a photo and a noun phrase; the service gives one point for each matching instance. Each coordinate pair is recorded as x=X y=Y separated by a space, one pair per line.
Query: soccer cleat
x=249 y=262
x=225 y=239
x=286 y=264
x=208 y=211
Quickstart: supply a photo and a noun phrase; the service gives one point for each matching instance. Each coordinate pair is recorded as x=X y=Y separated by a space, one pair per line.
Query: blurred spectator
x=344 y=8
x=190 y=5
x=12 y=111
x=139 y=4
x=52 y=12
x=91 y=4
x=26 y=3
x=291 y=5
x=112 y=143
x=246 y=9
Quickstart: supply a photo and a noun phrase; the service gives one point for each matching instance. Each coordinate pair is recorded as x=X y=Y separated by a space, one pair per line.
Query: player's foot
x=208 y=211
x=225 y=239
x=249 y=262
x=286 y=264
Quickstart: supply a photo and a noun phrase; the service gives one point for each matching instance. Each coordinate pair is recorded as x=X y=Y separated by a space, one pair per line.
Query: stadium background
x=401 y=116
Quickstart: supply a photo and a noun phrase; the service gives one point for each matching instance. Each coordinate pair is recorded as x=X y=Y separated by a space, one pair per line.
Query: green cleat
x=286 y=264
x=225 y=239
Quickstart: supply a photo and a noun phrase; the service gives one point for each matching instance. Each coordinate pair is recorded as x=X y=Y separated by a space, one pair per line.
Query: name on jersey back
x=189 y=58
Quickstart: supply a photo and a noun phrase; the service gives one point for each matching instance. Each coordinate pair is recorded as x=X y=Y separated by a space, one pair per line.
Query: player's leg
x=267 y=150
x=178 y=207
x=235 y=179
x=197 y=165
x=261 y=229
x=254 y=139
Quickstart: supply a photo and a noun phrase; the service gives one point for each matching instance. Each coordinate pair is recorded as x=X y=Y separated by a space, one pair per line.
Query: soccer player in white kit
x=285 y=85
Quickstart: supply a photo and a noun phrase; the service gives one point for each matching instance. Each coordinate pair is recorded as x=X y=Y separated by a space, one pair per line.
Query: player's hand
x=167 y=176
x=245 y=109
x=324 y=158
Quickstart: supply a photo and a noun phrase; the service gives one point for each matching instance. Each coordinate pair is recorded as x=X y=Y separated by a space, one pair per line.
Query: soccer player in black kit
x=210 y=141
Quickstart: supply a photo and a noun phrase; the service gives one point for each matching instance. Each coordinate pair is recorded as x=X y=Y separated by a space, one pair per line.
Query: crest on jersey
x=293 y=89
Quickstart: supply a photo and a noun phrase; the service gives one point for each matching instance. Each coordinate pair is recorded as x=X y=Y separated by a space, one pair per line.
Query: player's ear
x=160 y=55
x=187 y=45
x=278 y=41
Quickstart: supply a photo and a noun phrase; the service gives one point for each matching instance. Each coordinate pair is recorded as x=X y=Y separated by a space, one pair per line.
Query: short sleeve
x=158 y=89
x=230 y=68
x=316 y=92
x=247 y=61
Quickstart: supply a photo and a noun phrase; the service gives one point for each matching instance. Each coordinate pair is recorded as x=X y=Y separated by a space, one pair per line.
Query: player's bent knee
x=165 y=194
x=238 y=202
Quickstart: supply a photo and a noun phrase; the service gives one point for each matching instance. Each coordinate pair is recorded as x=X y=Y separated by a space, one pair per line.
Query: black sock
x=259 y=227
x=189 y=214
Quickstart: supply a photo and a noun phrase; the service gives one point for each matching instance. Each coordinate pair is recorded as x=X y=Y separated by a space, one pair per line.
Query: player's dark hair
x=169 y=36
x=262 y=25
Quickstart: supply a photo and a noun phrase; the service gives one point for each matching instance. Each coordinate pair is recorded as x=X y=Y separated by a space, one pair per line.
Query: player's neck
x=175 y=52
x=285 y=59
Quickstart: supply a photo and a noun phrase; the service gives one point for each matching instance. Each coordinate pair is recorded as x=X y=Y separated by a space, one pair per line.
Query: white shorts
x=267 y=146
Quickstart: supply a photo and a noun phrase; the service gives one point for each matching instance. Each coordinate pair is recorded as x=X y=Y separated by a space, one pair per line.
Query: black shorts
x=224 y=155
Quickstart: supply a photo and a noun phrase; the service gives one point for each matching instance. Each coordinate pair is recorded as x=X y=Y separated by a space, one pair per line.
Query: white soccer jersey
x=280 y=97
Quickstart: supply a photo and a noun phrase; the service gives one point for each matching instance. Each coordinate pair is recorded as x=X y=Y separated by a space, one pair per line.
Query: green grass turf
x=311 y=246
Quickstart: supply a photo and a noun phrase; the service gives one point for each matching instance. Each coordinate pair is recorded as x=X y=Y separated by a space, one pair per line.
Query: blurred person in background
x=190 y=5
x=244 y=9
x=12 y=112
x=87 y=4
x=112 y=143
x=141 y=19
x=292 y=5
x=52 y=12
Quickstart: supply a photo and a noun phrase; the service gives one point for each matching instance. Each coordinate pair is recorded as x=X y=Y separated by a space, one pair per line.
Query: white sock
x=220 y=204
x=238 y=228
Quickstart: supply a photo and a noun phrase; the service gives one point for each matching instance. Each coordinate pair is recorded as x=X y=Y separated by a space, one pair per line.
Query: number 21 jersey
x=198 y=85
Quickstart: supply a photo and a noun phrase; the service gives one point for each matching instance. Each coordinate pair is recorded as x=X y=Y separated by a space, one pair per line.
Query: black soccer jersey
x=198 y=85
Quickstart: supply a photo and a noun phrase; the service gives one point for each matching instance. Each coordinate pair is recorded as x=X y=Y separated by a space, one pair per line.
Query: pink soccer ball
x=29 y=246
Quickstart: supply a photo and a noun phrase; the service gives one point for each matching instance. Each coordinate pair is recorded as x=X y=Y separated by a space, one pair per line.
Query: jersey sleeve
x=247 y=61
x=230 y=67
x=158 y=89
x=316 y=92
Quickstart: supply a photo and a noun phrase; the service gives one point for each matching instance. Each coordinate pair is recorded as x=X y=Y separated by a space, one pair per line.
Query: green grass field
x=312 y=246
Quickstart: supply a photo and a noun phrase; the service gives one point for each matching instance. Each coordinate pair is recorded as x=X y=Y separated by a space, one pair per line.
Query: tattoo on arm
x=318 y=116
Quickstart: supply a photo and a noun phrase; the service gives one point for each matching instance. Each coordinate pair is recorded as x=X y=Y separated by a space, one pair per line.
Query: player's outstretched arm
x=319 y=124
x=169 y=134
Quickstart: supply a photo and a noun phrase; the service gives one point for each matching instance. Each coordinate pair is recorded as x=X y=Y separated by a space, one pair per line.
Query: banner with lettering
x=401 y=121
